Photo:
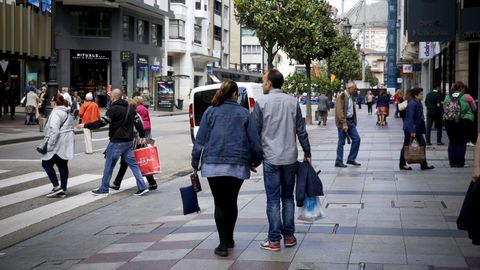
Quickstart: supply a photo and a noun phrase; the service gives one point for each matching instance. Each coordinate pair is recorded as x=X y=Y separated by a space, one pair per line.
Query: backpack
x=453 y=109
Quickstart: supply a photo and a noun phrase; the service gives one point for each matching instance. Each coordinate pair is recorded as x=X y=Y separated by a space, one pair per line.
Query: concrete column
x=461 y=62
x=116 y=70
x=63 y=68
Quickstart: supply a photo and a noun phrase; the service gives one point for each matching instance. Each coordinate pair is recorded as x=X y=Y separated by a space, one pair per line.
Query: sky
x=348 y=4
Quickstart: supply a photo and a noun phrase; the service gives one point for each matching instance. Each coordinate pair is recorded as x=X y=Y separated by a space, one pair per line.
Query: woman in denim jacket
x=228 y=146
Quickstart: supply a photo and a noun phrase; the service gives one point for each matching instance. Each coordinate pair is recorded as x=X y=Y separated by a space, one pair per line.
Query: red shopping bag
x=148 y=160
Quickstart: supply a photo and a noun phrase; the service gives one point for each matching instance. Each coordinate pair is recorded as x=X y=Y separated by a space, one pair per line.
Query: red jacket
x=143 y=112
x=89 y=112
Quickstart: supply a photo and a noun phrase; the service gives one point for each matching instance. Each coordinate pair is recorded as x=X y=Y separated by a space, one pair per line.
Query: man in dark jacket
x=121 y=117
x=433 y=102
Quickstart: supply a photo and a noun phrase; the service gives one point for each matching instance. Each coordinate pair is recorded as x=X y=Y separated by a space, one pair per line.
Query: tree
x=311 y=36
x=344 y=62
x=267 y=19
x=369 y=77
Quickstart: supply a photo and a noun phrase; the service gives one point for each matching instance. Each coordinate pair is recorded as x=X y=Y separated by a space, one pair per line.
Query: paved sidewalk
x=377 y=217
x=15 y=130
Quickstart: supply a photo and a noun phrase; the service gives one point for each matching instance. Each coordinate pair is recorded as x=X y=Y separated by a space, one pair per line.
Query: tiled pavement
x=377 y=217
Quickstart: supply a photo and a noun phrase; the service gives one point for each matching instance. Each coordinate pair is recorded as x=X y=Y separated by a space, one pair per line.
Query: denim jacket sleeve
x=200 y=140
x=302 y=133
x=254 y=141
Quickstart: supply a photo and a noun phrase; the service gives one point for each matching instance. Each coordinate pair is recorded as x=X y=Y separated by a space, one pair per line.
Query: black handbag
x=189 y=200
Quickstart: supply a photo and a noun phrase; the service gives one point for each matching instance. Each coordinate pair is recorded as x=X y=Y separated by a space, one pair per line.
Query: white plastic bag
x=311 y=210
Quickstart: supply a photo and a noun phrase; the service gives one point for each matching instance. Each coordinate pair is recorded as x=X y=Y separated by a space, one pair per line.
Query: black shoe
x=353 y=162
x=115 y=187
x=221 y=250
x=427 y=167
x=142 y=192
x=55 y=191
x=340 y=165
x=97 y=192
x=152 y=187
x=429 y=144
x=231 y=244
x=440 y=143
x=405 y=168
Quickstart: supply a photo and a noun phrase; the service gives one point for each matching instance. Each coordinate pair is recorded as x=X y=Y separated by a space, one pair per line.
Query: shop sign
x=126 y=56
x=469 y=26
x=428 y=50
x=431 y=20
x=399 y=80
x=155 y=68
x=81 y=55
x=141 y=60
x=407 y=69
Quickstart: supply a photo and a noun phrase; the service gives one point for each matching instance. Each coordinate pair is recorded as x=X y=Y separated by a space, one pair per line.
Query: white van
x=201 y=97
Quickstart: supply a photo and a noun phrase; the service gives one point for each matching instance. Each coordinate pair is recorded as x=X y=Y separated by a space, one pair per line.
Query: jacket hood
x=62 y=108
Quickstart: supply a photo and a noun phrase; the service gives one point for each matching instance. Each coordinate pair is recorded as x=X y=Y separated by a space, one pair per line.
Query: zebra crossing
x=36 y=208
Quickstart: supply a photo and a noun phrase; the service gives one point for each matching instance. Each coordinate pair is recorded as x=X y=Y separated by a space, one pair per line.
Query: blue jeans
x=116 y=151
x=279 y=183
x=352 y=131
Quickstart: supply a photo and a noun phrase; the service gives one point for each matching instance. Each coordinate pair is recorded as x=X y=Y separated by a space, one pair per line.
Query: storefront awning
x=214 y=78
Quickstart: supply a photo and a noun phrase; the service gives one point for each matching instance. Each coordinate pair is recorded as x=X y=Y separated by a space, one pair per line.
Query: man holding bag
x=121 y=117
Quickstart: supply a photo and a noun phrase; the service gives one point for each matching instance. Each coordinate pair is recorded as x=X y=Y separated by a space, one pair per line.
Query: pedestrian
x=383 y=104
x=359 y=100
x=231 y=148
x=396 y=97
x=369 y=99
x=405 y=97
x=323 y=108
x=89 y=113
x=459 y=122
x=147 y=99
x=31 y=107
x=108 y=93
x=121 y=118
x=76 y=103
x=4 y=89
x=414 y=127
x=152 y=183
x=433 y=102
x=43 y=100
x=60 y=147
x=346 y=121
x=279 y=122
x=67 y=96
x=11 y=98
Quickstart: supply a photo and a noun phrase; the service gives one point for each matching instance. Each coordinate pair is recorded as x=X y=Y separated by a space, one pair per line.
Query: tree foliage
x=369 y=77
x=266 y=17
x=311 y=35
x=297 y=83
x=345 y=62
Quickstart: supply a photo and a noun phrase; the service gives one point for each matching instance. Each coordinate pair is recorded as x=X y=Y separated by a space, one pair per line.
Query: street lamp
x=347 y=27
x=52 y=89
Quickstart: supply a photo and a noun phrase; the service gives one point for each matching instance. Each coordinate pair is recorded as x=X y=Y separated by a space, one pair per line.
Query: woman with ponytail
x=228 y=145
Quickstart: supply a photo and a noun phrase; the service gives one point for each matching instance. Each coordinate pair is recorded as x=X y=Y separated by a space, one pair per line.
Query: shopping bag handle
x=414 y=139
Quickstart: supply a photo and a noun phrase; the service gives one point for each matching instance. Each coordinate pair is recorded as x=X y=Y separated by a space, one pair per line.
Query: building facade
x=110 y=43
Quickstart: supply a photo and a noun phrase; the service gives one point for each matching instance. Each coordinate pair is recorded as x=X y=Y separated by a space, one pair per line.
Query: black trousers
x=121 y=173
x=62 y=165
x=369 y=104
x=225 y=194
x=438 y=124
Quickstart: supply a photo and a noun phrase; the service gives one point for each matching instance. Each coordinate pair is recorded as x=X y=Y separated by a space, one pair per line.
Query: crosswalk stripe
x=21 y=179
x=42 y=190
x=4 y=171
x=25 y=219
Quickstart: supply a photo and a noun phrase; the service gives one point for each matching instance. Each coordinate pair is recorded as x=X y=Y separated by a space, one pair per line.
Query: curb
x=40 y=137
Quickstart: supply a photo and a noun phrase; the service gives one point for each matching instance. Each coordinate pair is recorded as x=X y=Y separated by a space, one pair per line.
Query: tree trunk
x=308 y=116
x=270 y=56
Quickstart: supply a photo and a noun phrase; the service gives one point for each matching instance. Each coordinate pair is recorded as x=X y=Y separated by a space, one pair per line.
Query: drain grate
x=345 y=205
x=408 y=204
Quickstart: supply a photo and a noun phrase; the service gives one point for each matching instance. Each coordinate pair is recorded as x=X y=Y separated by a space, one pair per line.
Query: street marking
x=43 y=190
x=34 y=216
x=20 y=160
x=21 y=179
x=94 y=151
x=101 y=139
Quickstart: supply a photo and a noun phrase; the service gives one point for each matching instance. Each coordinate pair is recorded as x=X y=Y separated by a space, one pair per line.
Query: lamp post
x=52 y=89
x=362 y=55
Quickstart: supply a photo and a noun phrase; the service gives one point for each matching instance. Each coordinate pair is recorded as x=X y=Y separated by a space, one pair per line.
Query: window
x=225 y=36
x=217 y=8
x=157 y=35
x=251 y=49
x=128 y=27
x=91 y=23
x=217 y=33
x=248 y=32
x=225 y=60
x=225 y=12
x=177 y=29
x=198 y=34
x=142 y=31
x=170 y=61
x=178 y=1
x=198 y=5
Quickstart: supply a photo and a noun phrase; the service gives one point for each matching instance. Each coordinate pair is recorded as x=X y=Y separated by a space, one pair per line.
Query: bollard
x=41 y=123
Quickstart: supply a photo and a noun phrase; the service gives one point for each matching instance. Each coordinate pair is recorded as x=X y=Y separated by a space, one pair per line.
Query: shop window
x=128 y=27
x=157 y=35
x=198 y=34
x=91 y=23
x=217 y=33
x=177 y=29
x=217 y=8
x=142 y=31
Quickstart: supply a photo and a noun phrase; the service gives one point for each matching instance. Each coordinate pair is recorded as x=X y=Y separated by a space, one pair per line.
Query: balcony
x=177 y=46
